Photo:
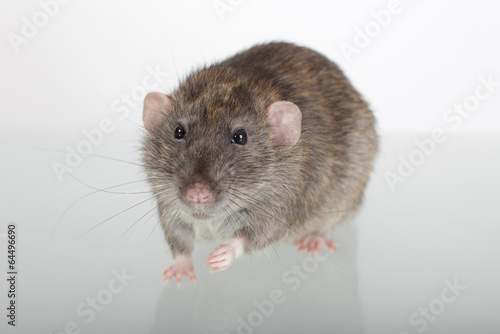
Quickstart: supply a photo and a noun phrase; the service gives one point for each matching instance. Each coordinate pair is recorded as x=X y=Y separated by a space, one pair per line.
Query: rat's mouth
x=202 y=211
x=200 y=215
x=211 y=211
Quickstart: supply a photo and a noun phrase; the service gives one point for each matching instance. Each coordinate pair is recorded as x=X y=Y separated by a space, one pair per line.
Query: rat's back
x=338 y=141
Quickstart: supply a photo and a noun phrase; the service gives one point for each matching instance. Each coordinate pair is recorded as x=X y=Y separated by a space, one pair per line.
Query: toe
x=216 y=259
x=221 y=249
x=331 y=244
x=218 y=264
x=219 y=268
x=314 y=242
x=167 y=274
x=179 y=275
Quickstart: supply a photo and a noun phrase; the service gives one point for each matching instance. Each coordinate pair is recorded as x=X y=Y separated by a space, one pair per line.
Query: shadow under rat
x=273 y=291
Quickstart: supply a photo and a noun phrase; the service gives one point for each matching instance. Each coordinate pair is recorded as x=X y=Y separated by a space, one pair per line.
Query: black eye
x=179 y=132
x=240 y=137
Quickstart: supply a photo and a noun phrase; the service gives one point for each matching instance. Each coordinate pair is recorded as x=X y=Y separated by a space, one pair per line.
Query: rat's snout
x=199 y=193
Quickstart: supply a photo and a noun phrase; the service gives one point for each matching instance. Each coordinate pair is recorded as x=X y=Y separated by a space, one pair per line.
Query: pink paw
x=181 y=267
x=314 y=242
x=224 y=255
x=221 y=258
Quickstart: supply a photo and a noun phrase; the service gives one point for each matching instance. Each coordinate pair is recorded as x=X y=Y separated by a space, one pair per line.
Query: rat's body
x=271 y=144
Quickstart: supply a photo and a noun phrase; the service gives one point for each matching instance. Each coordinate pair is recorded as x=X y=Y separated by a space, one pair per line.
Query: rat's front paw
x=181 y=267
x=221 y=258
x=224 y=255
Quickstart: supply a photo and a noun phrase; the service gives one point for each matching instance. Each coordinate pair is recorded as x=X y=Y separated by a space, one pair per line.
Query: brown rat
x=271 y=144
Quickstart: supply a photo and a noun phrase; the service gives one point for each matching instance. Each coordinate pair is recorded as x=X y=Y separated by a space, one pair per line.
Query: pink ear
x=155 y=109
x=285 y=118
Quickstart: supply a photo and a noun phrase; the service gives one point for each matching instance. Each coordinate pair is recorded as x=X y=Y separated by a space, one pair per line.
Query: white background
x=441 y=222
x=427 y=57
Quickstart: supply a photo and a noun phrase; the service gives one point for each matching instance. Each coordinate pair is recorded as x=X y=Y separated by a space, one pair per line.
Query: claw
x=314 y=242
x=181 y=267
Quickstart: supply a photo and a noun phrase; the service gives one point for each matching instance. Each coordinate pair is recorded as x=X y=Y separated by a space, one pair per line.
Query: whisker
x=154 y=228
x=172 y=201
x=138 y=220
x=115 y=215
x=140 y=229
x=82 y=154
x=106 y=191
x=87 y=195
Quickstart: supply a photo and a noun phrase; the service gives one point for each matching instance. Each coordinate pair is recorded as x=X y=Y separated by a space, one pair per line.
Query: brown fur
x=262 y=192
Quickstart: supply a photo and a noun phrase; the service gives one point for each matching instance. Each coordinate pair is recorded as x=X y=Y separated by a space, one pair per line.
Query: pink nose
x=199 y=193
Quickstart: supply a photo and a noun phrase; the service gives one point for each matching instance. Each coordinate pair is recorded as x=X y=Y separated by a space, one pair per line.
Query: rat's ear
x=155 y=109
x=285 y=118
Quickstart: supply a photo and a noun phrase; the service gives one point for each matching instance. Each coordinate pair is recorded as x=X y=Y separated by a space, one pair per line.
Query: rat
x=269 y=145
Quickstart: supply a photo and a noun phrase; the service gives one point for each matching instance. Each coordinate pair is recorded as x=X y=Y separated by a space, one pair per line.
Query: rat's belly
x=207 y=229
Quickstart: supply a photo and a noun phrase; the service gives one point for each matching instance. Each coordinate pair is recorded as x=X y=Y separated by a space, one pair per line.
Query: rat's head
x=211 y=153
